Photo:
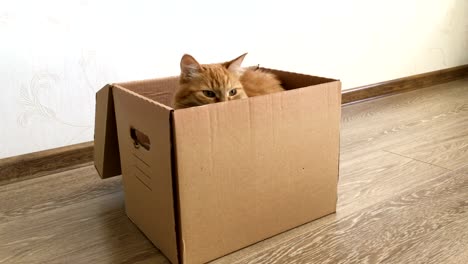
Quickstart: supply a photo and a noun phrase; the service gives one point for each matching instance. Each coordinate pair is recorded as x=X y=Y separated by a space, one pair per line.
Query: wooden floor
x=403 y=198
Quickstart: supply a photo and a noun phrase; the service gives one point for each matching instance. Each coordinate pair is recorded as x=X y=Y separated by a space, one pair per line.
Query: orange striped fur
x=202 y=84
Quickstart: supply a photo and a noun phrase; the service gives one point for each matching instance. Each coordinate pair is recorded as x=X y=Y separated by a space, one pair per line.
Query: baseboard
x=405 y=84
x=46 y=162
x=60 y=159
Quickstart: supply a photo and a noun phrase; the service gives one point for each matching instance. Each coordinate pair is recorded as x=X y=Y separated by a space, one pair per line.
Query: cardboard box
x=205 y=181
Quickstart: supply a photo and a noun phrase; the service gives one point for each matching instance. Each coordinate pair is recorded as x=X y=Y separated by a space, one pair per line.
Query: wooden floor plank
x=27 y=198
x=89 y=231
x=385 y=123
x=378 y=176
x=444 y=146
x=425 y=225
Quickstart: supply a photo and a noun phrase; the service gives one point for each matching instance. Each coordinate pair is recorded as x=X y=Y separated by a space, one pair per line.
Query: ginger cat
x=202 y=84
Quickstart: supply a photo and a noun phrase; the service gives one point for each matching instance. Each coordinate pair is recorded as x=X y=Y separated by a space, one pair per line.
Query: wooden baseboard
x=46 y=162
x=55 y=160
x=405 y=84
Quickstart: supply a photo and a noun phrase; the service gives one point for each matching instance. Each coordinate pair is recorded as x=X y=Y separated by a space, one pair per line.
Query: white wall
x=54 y=55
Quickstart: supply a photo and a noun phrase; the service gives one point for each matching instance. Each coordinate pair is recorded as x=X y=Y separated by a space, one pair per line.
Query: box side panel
x=292 y=80
x=144 y=131
x=250 y=169
x=106 y=147
x=160 y=90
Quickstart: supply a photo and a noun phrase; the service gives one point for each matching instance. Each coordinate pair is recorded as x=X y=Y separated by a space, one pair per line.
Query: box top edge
x=128 y=91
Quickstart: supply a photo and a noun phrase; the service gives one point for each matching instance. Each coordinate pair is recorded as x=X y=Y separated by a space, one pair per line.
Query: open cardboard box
x=205 y=181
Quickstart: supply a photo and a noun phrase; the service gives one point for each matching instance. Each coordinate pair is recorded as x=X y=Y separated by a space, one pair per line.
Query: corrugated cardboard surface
x=106 y=147
x=292 y=80
x=220 y=177
x=147 y=174
x=160 y=90
x=250 y=169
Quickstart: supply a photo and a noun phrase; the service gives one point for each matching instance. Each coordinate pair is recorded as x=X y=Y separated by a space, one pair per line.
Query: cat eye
x=209 y=93
x=232 y=92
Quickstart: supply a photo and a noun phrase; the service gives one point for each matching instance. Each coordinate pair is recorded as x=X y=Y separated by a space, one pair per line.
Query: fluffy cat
x=202 y=84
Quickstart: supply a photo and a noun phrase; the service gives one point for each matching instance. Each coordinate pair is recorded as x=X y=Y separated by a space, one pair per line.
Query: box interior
x=162 y=90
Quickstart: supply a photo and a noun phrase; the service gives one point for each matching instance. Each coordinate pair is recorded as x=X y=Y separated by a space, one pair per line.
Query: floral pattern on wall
x=55 y=55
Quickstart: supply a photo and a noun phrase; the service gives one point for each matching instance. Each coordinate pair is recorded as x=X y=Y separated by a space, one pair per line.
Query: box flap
x=293 y=80
x=106 y=147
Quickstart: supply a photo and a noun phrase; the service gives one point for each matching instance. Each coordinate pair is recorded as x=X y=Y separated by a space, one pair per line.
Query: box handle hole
x=140 y=139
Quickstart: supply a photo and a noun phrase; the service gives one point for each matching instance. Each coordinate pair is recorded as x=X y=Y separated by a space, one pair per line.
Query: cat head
x=202 y=84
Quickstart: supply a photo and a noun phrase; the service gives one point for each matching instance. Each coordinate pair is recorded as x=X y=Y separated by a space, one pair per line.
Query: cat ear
x=189 y=67
x=234 y=66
